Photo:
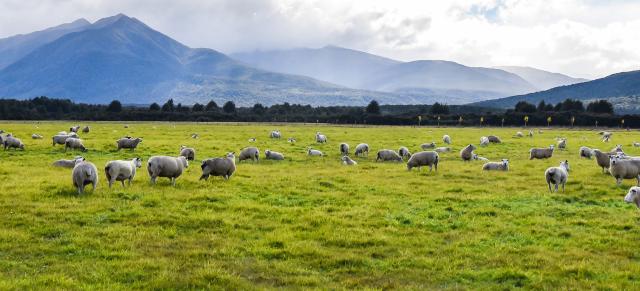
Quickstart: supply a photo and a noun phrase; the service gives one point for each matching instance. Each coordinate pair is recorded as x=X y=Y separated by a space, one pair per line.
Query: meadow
x=312 y=222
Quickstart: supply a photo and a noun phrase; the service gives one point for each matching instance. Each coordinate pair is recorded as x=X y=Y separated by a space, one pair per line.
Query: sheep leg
x=563 y=187
x=556 y=188
x=618 y=181
x=94 y=184
x=122 y=183
x=173 y=181
x=110 y=183
x=638 y=180
x=153 y=180
x=80 y=190
x=131 y=178
x=430 y=168
x=549 y=184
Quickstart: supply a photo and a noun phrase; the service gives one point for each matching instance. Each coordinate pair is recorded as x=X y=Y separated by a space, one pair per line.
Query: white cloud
x=586 y=38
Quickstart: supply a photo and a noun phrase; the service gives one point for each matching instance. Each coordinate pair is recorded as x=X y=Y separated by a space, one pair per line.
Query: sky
x=582 y=38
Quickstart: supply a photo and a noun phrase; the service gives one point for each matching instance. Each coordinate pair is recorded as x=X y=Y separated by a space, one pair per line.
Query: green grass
x=311 y=222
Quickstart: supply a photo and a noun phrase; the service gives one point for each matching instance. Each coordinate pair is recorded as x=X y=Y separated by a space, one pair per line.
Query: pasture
x=312 y=222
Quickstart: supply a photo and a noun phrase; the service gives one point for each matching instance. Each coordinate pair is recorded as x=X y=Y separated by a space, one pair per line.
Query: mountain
x=542 y=80
x=621 y=88
x=15 y=47
x=122 y=58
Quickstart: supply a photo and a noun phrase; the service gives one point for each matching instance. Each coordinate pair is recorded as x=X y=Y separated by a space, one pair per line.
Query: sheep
x=362 y=150
x=606 y=136
x=321 y=138
x=562 y=143
x=636 y=144
x=484 y=141
x=519 y=134
x=420 y=159
x=541 y=153
x=13 y=142
x=86 y=129
x=530 y=133
x=314 y=153
x=275 y=134
x=346 y=160
x=167 y=167
x=426 y=146
x=249 y=153
x=74 y=128
x=344 y=149
x=496 y=166
x=557 y=175
x=62 y=133
x=36 y=136
x=126 y=126
x=128 y=143
x=442 y=149
x=479 y=158
x=602 y=159
x=121 y=170
x=585 y=152
x=189 y=153
x=617 y=149
x=84 y=173
x=68 y=163
x=494 y=139
x=633 y=196
x=271 y=155
x=195 y=135
x=388 y=155
x=446 y=139
x=253 y=139
x=62 y=138
x=622 y=168
x=467 y=153
x=74 y=144
x=224 y=167
x=404 y=152
x=291 y=140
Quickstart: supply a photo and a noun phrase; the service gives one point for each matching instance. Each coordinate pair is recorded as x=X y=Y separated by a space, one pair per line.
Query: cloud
x=586 y=38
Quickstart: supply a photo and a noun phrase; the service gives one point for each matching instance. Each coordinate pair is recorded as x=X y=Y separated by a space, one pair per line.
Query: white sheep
x=86 y=129
x=187 y=152
x=362 y=150
x=12 y=142
x=253 y=139
x=606 y=136
x=623 y=168
x=585 y=152
x=346 y=160
x=557 y=175
x=36 y=136
x=314 y=153
x=195 y=135
x=496 y=166
x=167 y=167
x=602 y=159
x=541 y=153
x=68 y=163
x=321 y=138
x=84 y=173
x=344 y=149
x=442 y=149
x=562 y=143
x=60 y=138
x=74 y=128
x=484 y=141
x=291 y=140
x=426 y=146
x=479 y=158
x=420 y=159
x=74 y=144
x=636 y=144
x=128 y=143
x=275 y=134
x=271 y=155
x=446 y=139
x=224 y=167
x=388 y=155
x=121 y=170
x=404 y=152
x=519 y=134
x=530 y=133
x=466 y=154
x=633 y=196
x=249 y=153
x=494 y=139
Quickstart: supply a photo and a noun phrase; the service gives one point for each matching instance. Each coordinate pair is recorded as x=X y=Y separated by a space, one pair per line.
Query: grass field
x=311 y=222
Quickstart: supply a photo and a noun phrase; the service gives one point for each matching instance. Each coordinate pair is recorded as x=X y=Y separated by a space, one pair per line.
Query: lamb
x=346 y=160
x=541 y=153
x=530 y=133
x=68 y=163
x=362 y=150
x=606 y=136
x=291 y=140
x=467 y=153
x=12 y=142
x=84 y=173
x=121 y=170
x=562 y=143
x=633 y=196
x=496 y=166
x=621 y=168
x=167 y=167
x=344 y=149
x=636 y=144
x=74 y=128
x=128 y=143
x=321 y=138
x=253 y=139
x=420 y=159
x=557 y=175
x=74 y=144
x=442 y=149
x=426 y=146
x=271 y=155
x=249 y=153
x=479 y=158
x=314 y=153
x=189 y=153
x=388 y=155
x=519 y=134
x=404 y=152
x=36 y=136
x=484 y=141
x=602 y=159
x=494 y=139
x=275 y=134
x=224 y=167
x=446 y=139
x=86 y=129
x=585 y=152
x=195 y=135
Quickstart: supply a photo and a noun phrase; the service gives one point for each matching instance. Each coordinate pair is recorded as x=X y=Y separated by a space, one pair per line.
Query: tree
x=197 y=107
x=600 y=106
x=438 y=108
x=542 y=107
x=572 y=105
x=154 y=107
x=525 y=107
x=373 y=107
x=168 y=106
x=211 y=106
x=229 y=107
x=181 y=108
x=114 y=106
x=258 y=108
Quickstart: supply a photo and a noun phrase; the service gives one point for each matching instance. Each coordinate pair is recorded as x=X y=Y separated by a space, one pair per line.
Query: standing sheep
x=321 y=138
x=224 y=167
x=530 y=133
x=314 y=153
x=84 y=173
x=585 y=152
x=404 y=152
x=344 y=149
x=13 y=142
x=495 y=166
x=189 y=153
x=557 y=175
x=271 y=155
x=636 y=144
x=467 y=153
x=128 y=143
x=253 y=139
x=494 y=139
x=446 y=139
x=195 y=135
x=484 y=141
x=346 y=160
x=418 y=160
x=621 y=168
x=388 y=155
x=167 y=167
x=426 y=146
x=362 y=150
x=121 y=170
x=541 y=153
x=249 y=153
x=86 y=129
x=602 y=159
x=74 y=144
x=275 y=134
x=606 y=136
x=633 y=196
x=74 y=128
x=61 y=138
x=68 y=163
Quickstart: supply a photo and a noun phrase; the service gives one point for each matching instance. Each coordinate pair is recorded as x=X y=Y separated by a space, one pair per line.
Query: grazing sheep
x=68 y=163
x=314 y=153
x=557 y=175
x=541 y=153
x=249 y=153
x=74 y=128
x=84 y=173
x=519 y=134
x=388 y=155
x=346 y=160
x=622 y=168
x=467 y=152
x=321 y=138
x=224 y=167
x=86 y=129
x=74 y=144
x=253 y=139
x=442 y=149
x=126 y=126
x=36 y=136
x=271 y=155
x=362 y=150
x=426 y=146
x=61 y=138
x=189 y=153
x=530 y=133
x=418 y=160
x=291 y=140
x=484 y=141
x=606 y=136
x=167 y=167
x=128 y=143
x=562 y=143
x=494 y=139
x=121 y=170
x=404 y=152
x=479 y=158
x=496 y=166
x=13 y=142
x=585 y=152
x=275 y=134
x=446 y=139
x=636 y=144
x=602 y=159
x=633 y=196
x=344 y=149
x=539 y=131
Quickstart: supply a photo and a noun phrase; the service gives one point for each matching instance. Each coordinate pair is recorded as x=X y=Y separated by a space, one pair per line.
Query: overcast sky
x=583 y=38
